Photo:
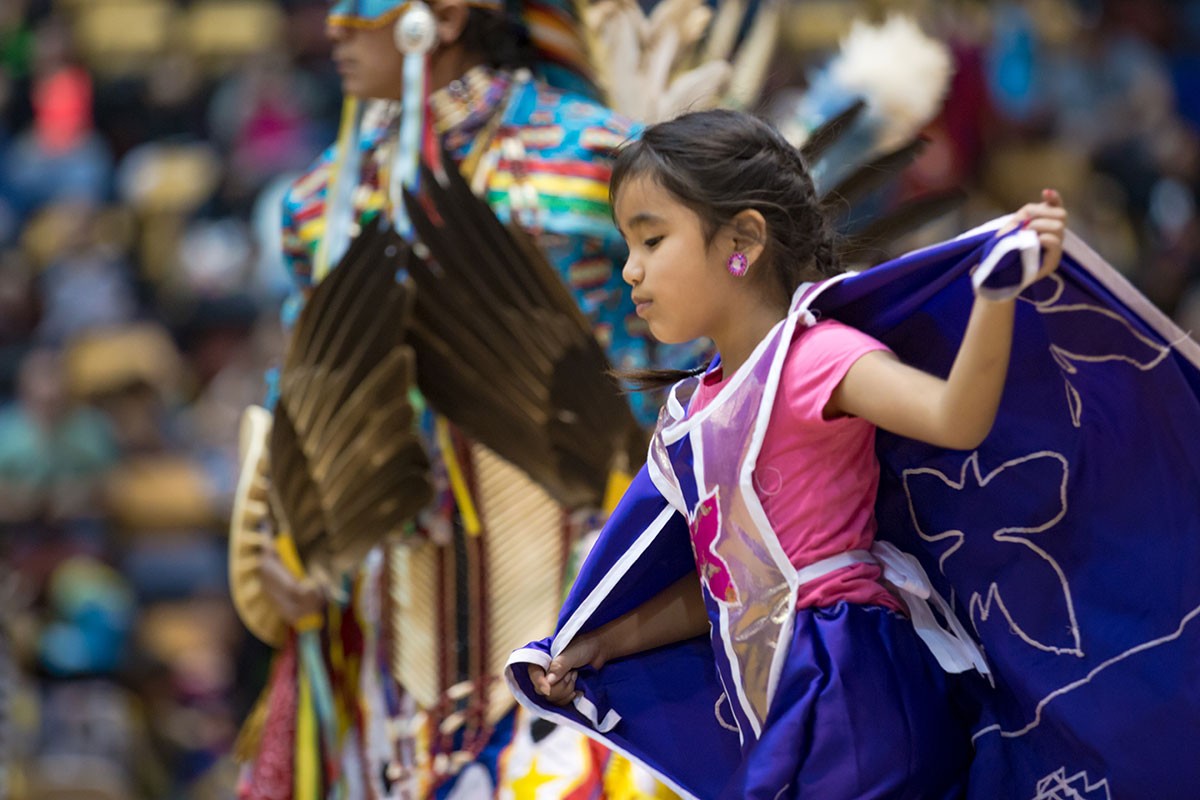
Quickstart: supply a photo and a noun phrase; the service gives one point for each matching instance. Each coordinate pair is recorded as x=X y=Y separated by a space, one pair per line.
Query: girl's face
x=680 y=281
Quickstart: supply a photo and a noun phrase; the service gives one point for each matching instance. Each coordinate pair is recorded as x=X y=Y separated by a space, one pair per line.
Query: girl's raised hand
x=1049 y=220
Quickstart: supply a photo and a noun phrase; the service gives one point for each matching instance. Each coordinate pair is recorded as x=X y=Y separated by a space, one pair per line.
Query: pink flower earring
x=738 y=264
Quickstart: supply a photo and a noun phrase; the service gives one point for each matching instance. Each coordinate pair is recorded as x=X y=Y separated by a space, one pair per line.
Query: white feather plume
x=755 y=54
x=902 y=73
x=674 y=60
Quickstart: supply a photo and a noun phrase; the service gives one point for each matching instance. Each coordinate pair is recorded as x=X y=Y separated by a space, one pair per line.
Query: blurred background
x=144 y=149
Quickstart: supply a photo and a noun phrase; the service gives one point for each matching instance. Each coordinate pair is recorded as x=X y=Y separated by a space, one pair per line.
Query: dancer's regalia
x=1067 y=541
x=354 y=460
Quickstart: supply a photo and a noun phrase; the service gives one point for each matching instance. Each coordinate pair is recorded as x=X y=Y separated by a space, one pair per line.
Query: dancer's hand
x=295 y=598
x=557 y=684
x=1049 y=220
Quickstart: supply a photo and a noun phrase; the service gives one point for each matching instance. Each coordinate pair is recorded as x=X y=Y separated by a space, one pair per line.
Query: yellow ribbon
x=305 y=784
x=618 y=483
x=458 y=483
x=290 y=557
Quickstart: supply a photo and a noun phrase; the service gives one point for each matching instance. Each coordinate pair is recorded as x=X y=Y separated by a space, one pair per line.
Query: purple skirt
x=862 y=711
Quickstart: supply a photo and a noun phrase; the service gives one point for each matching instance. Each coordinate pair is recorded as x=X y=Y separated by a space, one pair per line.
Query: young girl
x=827 y=682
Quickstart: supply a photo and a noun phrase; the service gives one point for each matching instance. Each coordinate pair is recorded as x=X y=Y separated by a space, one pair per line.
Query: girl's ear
x=749 y=232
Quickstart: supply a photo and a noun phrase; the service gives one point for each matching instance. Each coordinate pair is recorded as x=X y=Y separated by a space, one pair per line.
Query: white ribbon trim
x=609 y=582
x=1026 y=242
x=953 y=648
x=819 y=569
x=588 y=709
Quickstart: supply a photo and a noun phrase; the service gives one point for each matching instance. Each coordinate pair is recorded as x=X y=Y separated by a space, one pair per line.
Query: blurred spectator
x=1109 y=88
x=261 y=114
x=86 y=284
x=133 y=374
x=172 y=103
x=92 y=610
x=16 y=55
x=60 y=155
x=19 y=312
x=54 y=454
x=16 y=40
x=16 y=49
x=94 y=744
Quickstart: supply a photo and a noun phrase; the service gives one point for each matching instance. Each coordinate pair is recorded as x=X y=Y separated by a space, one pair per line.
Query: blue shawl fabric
x=1068 y=543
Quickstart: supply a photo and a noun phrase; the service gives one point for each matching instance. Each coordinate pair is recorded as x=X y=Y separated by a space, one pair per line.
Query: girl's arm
x=674 y=615
x=956 y=412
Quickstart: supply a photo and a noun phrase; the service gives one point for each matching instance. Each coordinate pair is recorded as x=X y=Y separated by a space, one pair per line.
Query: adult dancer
x=541 y=156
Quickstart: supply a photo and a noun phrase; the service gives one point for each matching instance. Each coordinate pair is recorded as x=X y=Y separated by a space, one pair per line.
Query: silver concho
x=416 y=30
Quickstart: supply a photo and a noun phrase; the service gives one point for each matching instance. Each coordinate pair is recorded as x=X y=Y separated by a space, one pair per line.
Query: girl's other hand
x=1049 y=220
x=557 y=684
x=560 y=693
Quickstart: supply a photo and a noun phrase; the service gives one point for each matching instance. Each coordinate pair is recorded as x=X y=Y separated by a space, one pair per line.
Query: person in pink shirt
x=725 y=233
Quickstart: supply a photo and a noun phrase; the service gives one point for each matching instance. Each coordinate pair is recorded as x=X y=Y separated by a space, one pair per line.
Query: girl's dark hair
x=719 y=163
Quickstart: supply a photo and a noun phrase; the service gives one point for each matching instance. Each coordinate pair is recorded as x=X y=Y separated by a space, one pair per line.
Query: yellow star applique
x=526 y=787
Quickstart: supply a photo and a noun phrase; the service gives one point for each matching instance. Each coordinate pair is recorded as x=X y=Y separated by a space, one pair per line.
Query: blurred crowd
x=144 y=148
x=144 y=145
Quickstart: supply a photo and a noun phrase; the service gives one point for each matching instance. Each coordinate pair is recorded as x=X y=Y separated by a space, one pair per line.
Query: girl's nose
x=631 y=273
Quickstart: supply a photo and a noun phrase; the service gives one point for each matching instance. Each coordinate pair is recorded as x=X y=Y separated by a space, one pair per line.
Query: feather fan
x=504 y=352
x=347 y=466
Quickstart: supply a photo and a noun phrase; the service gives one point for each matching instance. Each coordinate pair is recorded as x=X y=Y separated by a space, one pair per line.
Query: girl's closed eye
x=652 y=242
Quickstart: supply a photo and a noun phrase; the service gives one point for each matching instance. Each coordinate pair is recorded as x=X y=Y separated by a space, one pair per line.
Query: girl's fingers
x=1047 y=226
x=564 y=692
x=1051 y=205
x=1050 y=242
x=1046 y=211
x=537 y=676
x=1042 y=211
x=558 y=692
x=577 y=654
x=1048 y=219
x=1017 y=220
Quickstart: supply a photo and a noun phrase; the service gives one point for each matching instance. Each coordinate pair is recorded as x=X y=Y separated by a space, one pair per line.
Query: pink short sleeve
x=819 y=358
